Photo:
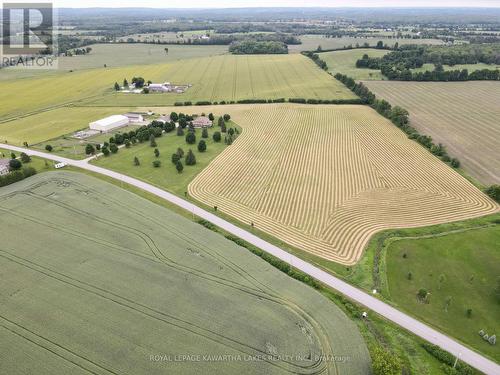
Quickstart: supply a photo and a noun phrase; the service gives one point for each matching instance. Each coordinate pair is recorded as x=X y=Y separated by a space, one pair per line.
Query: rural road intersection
x=420 y=329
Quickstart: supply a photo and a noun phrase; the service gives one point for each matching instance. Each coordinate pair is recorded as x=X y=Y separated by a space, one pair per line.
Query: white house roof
x=111 y=120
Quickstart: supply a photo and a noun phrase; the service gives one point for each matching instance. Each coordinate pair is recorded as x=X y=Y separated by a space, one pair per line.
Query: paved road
x=420 y=329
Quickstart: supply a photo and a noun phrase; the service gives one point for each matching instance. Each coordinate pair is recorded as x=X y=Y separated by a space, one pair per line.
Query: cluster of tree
x=448 y=359
x=18 y=173
x=78 y=51
x=252 y=47
x=398 y=64
x=68 y=43
x=139 y=83
x=494 y=193
x=399 y=117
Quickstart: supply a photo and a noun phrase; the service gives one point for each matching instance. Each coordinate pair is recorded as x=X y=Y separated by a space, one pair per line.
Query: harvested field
x=464 y=116
x=109 y=283
x=325 y=178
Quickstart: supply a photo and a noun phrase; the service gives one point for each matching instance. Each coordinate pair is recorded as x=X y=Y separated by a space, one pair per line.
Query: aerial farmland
x=250 y=190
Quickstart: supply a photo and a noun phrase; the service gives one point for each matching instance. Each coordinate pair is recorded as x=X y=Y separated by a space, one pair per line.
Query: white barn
x=109 y=123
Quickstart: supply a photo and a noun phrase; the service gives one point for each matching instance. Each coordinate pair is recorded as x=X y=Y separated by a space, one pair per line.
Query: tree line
x=253 y=47
x=398 y=64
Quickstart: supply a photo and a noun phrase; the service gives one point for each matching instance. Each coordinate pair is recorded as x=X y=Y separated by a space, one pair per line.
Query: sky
x=272 y=3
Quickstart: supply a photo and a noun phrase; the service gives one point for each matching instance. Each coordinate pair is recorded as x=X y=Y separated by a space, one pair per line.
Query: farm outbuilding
x=109 y=123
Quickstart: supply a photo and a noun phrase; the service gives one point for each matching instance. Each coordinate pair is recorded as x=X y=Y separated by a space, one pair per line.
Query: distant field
x=462 y=115
x=311 y=42
x=462 y=266
x=232 y=77
x=325 y=178
x=136 y=54
x=215 y=78
x=40 y=93
x=345 y=62
x=52 y=124
x=469 y=67
x=69 y=306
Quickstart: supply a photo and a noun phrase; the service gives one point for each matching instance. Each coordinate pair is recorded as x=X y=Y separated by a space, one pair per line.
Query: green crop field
x=461 y=115
x=311 y=42
x=52 y=124
x=232 y=77
x=108 y=282
x=460 y=271
x=215 y=78
x=345 y=62
x=135 y=54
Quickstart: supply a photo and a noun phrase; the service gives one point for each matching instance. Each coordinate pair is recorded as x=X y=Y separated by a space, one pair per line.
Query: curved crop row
x=326 y=178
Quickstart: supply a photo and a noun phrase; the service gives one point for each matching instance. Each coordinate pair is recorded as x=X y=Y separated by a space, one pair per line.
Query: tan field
x=464 y=116
x=326 y=178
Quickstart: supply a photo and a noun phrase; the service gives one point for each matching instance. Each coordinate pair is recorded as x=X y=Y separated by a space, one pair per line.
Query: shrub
x=156 y=164
x=422 y=294
x=152 y=141
x=217 y=137
x=190 y=158
x=455 y=163
x=89 y=149
x=179 y=166
x=190 y=138
x=384 y=362
x=202 y=146
x=136 y=161
x=175 y=158
x=25 y=158
x=448 y=359
x=49 y=148
x=494 y=192
x=204 y=133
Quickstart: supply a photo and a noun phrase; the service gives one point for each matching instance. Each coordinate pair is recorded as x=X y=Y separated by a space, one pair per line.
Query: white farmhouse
x=109 y=123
